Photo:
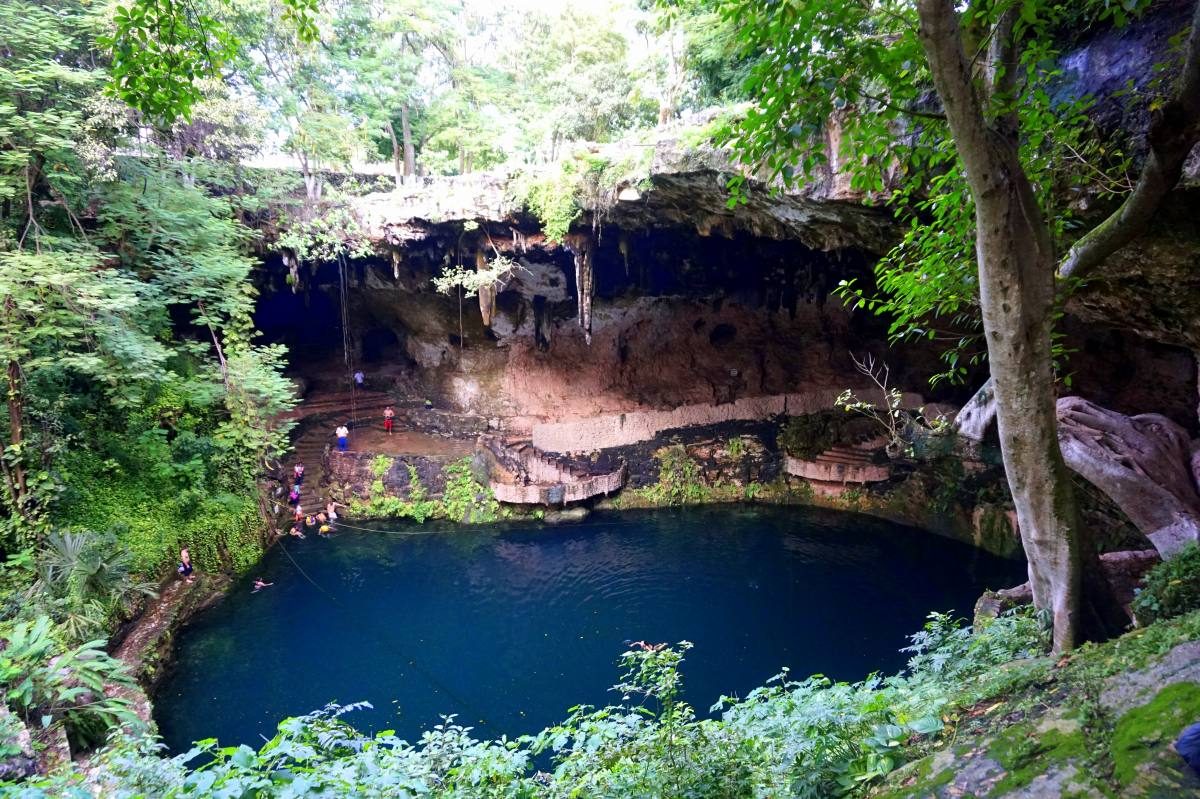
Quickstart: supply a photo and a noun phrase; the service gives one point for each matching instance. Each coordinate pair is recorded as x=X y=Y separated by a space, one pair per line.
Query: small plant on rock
x=898 y=424
x=1171 y=588
x=679 y=481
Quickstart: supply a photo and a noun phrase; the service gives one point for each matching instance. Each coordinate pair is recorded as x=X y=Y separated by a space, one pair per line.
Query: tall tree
x=380 y=49
x=868 y=68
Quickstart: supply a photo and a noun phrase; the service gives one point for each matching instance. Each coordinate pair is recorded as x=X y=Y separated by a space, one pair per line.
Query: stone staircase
x=839 y=466
x=343 y=403
x=530 y=476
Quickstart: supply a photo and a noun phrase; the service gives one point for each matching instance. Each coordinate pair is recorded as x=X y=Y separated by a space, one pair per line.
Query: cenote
x=507 y=627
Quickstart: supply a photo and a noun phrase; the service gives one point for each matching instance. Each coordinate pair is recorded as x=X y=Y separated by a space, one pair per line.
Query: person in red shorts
x=389 y=418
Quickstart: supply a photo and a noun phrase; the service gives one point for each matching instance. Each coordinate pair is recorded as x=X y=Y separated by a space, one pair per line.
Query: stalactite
x=520 y=241
x=396 y=259
x=293 y=266
x=580 y=245
x=623 y=248
x=487 y=293
x=542 y=323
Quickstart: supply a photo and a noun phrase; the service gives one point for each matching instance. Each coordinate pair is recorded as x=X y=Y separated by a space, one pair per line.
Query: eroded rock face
x=686 y=186
x=1152 y=285
x=1145 y=463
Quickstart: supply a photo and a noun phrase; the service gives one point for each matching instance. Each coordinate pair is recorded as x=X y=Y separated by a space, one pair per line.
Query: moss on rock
x=1145 y=731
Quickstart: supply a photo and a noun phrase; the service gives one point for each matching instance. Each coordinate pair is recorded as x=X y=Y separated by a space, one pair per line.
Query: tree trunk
x=1017 y=288
x=312 y=180
x=391 y=131
x=19 y=485
x=410 y=151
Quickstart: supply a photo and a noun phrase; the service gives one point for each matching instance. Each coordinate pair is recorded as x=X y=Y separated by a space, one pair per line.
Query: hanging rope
x=347 y=355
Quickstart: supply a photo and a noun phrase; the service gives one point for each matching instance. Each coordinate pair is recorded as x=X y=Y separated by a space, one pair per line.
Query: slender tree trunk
x=19 y=484
x=410 y=151
x=396 y=160
x=1017 y=290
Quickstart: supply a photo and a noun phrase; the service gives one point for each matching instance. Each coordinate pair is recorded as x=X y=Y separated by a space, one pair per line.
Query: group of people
x=322 y=520
x=342 y=432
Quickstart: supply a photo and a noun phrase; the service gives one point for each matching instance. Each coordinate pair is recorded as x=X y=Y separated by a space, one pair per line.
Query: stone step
x=535 y=477
x=558 y=493
x=828 y=468
x=849 y=457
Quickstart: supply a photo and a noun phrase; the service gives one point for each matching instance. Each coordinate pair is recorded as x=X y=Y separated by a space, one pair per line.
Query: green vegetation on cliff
x=464 y=499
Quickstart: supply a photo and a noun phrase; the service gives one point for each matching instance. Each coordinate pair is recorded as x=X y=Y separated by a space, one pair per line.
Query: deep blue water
x=508 y=627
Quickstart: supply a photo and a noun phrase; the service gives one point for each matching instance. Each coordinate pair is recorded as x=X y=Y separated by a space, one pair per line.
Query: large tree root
x=1145 y=464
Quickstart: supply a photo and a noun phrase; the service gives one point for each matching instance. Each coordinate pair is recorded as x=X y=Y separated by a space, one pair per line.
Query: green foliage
x=319 y=234
x=47 y=684
x=465 y=499
x=382 y=505
x=863 y=66
x=809 y=435
x=158 y=49
x=551 y=196
x=679 y=481
x=809 y=738
x=495 y=275
x=222 y=531
x=161 y=49
x=380 y=465
x=1171 y=588
x=84 y=582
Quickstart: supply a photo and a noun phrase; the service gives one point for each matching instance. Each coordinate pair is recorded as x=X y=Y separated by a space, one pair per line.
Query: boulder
x=567 y=516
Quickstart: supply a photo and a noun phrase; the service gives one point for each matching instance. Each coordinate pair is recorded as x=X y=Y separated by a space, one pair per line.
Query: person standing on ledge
x=359 y=377
x=185 y=565
x=343 y=435
x=389 y=418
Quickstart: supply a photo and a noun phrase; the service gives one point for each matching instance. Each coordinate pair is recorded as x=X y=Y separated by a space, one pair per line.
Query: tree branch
x=1173 y=133
x=1002 y=71
x=942 y=40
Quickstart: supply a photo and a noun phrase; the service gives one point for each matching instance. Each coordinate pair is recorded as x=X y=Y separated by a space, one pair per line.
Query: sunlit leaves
x=161 y=50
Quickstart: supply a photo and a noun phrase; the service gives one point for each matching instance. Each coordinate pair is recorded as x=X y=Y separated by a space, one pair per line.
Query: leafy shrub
x=810 y=738
x=1171 y=588
x=464 y=500
x=807 y=436
x=47 y=685
x=84 y=582
x=153 y=519
x=946 y=649
x=679 y=480
x=380 y=466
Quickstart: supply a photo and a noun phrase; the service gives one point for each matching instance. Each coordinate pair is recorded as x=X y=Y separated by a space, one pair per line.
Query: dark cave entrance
x=381 y=344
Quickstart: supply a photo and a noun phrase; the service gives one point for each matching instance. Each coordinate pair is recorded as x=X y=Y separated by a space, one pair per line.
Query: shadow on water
x=509 y=626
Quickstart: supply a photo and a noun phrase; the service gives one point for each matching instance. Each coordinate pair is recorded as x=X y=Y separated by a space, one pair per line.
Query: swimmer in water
x=260 y=585
x=648 y=647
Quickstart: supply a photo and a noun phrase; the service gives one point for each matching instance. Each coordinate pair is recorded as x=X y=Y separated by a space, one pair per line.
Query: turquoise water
x=510 y=626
